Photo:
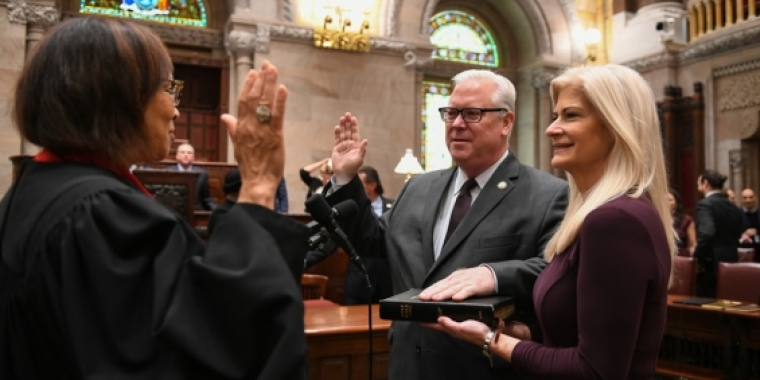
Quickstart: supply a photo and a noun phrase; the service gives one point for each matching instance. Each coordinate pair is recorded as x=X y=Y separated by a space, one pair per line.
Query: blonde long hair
x=636 y=164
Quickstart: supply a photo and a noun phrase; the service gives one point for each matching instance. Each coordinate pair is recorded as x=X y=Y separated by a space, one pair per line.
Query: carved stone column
x=241 y=46
x=736 y=162
x=38 y=18
x=540 y=80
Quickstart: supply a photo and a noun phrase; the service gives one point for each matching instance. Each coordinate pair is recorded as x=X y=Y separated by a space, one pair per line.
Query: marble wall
x=12 y=53
x=323 y=85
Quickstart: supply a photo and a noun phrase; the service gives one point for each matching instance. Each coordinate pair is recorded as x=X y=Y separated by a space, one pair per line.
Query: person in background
x=281 y=198
x=719 y=227
x=731 y=196
x=231 y=188
x=478 y=228
x=97 y=279
x=602 y=300
x=683 y=224
x=750 y=223
x=316 y=184
x=185 y=157
x=378 y=268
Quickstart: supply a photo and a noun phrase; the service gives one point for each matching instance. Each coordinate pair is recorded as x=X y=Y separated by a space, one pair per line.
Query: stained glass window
x=177 y=12
x=461 y=37
x=435 y=154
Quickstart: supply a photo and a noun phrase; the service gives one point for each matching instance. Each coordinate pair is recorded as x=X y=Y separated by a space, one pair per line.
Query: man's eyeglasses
x=469 y=115
x=175 y=90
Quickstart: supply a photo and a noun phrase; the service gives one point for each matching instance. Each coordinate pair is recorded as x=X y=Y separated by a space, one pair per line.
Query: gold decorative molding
x=341 y=39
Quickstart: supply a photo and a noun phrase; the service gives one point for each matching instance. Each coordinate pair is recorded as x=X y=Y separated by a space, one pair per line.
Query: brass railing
x=707 y=16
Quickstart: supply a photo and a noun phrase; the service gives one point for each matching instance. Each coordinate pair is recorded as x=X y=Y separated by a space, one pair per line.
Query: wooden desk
x=339 y=343
x=747 y=330
x=703 y=343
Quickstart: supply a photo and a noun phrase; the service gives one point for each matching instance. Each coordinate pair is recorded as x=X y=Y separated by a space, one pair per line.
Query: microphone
x=341 y=211
x=321 y=212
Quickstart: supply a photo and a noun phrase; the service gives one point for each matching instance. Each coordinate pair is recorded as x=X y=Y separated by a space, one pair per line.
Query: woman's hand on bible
x=470 y=331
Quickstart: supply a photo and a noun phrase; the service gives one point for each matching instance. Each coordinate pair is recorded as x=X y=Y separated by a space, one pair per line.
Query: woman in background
x=602 y=300
x=683 y=224
x=97 y=279
x=316 y=184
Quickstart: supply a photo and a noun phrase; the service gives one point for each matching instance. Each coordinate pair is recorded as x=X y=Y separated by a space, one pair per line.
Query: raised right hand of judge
x=257 y=138
x=349 y=151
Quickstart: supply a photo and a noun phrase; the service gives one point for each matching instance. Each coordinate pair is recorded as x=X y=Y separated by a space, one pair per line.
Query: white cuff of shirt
x=495 y=280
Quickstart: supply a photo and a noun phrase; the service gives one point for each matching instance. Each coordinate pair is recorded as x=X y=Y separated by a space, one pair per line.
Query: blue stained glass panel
x=175 y=12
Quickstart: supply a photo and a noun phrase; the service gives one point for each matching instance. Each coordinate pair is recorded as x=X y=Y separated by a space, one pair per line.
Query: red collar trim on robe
x=92 y=158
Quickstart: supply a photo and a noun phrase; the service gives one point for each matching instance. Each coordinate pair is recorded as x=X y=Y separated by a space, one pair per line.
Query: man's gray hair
x=504 y=96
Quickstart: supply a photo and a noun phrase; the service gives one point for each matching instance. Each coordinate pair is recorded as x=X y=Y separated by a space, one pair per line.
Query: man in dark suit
x=185 y=157
x=751 y=222
x=483 y=239
x=719 y=227
x=378 y=268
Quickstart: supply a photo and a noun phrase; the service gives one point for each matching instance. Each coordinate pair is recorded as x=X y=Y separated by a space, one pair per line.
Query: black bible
x=407 y=306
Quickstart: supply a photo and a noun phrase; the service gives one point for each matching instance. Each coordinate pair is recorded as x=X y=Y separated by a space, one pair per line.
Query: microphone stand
x=357 y=261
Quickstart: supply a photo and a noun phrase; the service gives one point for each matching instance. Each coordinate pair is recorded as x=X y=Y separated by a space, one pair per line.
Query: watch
x=487 y=343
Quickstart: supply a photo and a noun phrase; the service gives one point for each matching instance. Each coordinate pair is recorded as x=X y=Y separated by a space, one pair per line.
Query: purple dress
x=602 y=303
x=681 y=228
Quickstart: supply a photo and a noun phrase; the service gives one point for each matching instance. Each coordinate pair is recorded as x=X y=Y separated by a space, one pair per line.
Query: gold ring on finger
x=263 y=113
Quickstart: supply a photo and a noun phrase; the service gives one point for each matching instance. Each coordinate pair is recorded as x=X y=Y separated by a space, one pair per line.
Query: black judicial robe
x=120 y=287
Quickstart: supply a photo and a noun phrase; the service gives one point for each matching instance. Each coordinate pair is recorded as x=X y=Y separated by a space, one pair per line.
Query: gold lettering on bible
x=406 y=311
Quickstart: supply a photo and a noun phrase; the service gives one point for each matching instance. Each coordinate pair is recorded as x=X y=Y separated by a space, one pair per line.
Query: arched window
x=460 y=37
x=176 y=12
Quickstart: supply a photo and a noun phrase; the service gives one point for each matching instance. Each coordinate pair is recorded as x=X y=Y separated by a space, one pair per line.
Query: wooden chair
x=685 y=272
x=739 y=282
x=746 y=255
x=174 y=189
x=313 y=286
x=216 y=172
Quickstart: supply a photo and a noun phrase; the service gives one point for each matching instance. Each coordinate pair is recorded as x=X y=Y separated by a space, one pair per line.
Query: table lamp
x=408 y=165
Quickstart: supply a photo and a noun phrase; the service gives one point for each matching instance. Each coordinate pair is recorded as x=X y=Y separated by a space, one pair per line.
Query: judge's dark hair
x=372 y=177
x=86 y=86
x=714 y=178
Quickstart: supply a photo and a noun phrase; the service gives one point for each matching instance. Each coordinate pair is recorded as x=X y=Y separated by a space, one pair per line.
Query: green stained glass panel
x=175 y=12
x=461 y=37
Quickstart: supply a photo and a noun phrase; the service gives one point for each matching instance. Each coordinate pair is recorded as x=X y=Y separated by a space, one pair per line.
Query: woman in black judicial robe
x=97 y=280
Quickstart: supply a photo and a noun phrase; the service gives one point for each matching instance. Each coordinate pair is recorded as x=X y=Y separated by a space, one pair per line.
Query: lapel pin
x=502 y=185
x=389 y=205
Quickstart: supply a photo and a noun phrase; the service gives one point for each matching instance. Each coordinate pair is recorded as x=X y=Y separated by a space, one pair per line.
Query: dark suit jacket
x=379 y=271
x=719 y=227
x=752 y=220
x=119 y=286
x=313 y=183
x=204 y=200
x=507 y=228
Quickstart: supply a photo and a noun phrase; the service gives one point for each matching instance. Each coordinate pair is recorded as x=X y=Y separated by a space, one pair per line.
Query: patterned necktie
x=462 y=205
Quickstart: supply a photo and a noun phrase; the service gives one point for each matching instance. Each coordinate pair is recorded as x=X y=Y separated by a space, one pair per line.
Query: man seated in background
x=751 y=222
x=231 y=188
x=281 y=198
x=185 y=157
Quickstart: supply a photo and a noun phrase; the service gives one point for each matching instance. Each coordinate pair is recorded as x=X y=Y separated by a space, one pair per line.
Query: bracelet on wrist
x=487 y=343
